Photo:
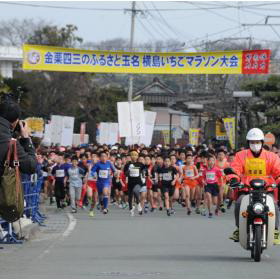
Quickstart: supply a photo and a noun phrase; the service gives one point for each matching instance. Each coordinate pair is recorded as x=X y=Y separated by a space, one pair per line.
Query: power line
x=278 y=35
x=146 y=29
x=215 y=13
x=156 y=28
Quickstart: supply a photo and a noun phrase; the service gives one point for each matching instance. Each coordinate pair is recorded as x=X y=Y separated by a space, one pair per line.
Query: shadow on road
x=190 y=258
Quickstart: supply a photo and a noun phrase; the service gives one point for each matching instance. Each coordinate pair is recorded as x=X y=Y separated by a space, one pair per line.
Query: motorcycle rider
x=255 y=163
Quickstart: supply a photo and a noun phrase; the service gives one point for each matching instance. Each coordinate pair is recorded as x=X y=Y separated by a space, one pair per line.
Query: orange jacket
x=266 y=166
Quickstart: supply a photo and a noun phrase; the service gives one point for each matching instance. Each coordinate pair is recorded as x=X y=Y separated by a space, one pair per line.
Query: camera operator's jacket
x=25 y=149
x=249 y=167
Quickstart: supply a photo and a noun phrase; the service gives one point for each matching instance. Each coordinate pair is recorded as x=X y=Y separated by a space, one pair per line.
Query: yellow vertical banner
x=194 y=136
x=165 y=134
x=230 y=130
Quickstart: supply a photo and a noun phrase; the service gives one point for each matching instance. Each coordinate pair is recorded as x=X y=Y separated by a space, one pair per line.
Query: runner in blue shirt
x=103 y=168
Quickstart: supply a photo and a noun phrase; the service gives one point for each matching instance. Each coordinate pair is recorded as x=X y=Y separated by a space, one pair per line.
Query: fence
x=32 y=187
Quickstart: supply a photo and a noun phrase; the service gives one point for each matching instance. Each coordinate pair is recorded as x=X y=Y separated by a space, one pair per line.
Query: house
x=158 y=97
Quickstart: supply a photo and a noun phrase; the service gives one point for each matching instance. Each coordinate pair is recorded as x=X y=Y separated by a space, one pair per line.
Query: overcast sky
x=186 y=21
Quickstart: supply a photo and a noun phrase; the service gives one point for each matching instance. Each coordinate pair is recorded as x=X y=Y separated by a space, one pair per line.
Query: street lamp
x=237 y=95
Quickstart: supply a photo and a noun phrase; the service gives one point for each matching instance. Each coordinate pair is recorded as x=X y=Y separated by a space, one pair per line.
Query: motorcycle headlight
x=258 y=208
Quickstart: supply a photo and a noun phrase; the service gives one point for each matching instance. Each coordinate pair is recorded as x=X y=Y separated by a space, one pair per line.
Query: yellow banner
x=74 y=60
x=165 y=134
x=230 y=129
x=35 y=124
x=194 y=136
x=220 y=131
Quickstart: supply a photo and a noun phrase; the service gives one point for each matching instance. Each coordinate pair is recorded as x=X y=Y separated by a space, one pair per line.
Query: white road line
x=66 y=233
x=71 y=226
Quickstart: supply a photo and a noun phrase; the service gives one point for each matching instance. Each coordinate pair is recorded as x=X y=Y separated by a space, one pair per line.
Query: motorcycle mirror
x=229 y=171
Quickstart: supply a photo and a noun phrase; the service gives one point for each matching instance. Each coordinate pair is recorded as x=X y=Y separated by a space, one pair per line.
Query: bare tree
x=15 y=32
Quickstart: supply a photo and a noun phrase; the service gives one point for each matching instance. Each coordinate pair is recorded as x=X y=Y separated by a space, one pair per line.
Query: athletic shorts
x=92 y=185
x=117 y=186
x=143 y=189
x=213 y=189
x=168 y=189
x=155 y=187
x=102 y=186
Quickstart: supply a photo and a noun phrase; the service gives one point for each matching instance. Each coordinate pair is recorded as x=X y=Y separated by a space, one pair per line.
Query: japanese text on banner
x=74 y=60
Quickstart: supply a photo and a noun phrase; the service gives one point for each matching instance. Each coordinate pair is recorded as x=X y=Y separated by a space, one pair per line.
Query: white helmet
x=255 y=134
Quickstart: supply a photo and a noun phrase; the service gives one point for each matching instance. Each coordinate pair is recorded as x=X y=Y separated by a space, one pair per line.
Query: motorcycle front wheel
x=257 y=250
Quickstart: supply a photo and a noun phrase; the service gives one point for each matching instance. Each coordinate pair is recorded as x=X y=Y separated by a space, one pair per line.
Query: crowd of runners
x=140 y=179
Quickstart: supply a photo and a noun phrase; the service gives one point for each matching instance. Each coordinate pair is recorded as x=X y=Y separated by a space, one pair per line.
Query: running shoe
x=276 y=237
x=152 y=210
x=217 y=212
x=222 y=207
x=210 y=215
x=229 y=204
x=193 y=203
x=132 y=212
x=203 y=212
x=105 y=211
x=235 y=236
x=74 y=210
x=168 y=212
x=197 y=211
x=140 y=213
x=91 y=213
x=139 y=207
x=125 y=205
x=120 y=205
x=160 y=208
x=172 y=212
x=189 y=211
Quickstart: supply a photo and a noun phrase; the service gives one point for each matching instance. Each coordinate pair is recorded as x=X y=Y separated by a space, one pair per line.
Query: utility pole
x=133 y=14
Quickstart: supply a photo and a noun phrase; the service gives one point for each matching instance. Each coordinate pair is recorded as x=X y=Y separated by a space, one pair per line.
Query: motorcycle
x=257 y=217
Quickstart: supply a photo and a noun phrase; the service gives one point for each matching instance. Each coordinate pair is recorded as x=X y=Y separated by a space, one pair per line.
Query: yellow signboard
x=230 y=129
x=35 y=126
x=194 y=136
x=74 y=60
x=166 y=135
x=220 y=131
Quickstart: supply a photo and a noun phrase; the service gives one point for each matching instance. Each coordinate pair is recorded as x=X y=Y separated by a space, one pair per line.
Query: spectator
x=9 y=121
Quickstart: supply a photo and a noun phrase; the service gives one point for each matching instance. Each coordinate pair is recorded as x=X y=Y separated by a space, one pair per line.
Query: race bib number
x=200 y=173
x=189 y=173
x=210 y=176
x=167 y=176
x=59 y=173
x=45 y=174
x=103 y=174
x=255 y=167
x=134 y=172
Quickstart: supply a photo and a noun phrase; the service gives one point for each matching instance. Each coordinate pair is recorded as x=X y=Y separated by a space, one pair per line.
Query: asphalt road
x=150 y=246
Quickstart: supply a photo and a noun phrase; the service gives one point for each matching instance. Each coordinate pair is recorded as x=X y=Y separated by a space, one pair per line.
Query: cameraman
x=9 y=120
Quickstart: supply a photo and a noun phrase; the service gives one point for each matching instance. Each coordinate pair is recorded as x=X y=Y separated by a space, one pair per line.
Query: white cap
x=255 y=134
x=114 y=148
